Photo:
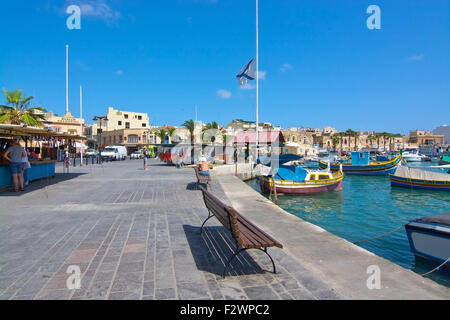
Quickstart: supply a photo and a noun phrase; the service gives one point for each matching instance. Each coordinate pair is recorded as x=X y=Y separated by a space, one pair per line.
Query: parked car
x=114 y=153
x=91 y=153
x=136 y=155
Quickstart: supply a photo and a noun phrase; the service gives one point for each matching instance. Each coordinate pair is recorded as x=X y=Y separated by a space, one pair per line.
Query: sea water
x=368 y=207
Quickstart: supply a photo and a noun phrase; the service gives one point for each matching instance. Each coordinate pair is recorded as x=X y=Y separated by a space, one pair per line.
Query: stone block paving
x=133 y=234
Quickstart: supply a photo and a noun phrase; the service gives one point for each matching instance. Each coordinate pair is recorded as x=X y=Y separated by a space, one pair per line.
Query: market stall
x=44 y=148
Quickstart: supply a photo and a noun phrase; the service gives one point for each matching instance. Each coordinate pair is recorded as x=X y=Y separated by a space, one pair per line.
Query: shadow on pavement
x=41 y=183
x=214 y=247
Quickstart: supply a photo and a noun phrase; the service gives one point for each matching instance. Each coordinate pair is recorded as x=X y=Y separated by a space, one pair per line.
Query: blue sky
x=320 y=62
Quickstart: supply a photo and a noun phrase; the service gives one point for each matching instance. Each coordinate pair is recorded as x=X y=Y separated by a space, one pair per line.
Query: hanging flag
x=247 y=73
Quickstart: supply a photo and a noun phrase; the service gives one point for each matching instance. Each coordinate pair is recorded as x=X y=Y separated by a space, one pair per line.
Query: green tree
x=18 y=110
x=335 y=140
x=170 y=132
x=162 y=133
x=190 y=125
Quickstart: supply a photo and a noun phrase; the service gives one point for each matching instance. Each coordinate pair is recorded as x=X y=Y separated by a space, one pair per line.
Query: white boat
x=413 y=156
x=429 y=237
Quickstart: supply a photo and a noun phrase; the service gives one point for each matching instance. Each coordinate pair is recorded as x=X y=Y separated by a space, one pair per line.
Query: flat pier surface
x=134 y=234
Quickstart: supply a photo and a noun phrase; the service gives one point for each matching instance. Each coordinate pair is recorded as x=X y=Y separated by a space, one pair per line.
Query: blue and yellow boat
x=414 y=178
x=360 y=164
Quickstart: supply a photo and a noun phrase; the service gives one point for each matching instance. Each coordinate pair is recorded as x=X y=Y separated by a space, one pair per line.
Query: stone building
x=65 y=124
x=117 y=120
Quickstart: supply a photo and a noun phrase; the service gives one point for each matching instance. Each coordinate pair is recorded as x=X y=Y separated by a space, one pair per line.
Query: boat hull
x=429 y=241
x=397 y=181
x=290 y=187
x=374 y=169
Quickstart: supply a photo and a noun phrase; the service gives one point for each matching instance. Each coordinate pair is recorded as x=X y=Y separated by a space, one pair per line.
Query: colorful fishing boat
x=444 y=160
x=360 y=164
x=298 y=180
x=429 y=237
x=414 y=178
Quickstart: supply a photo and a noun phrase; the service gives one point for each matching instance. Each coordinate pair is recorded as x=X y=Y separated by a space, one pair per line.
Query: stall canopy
x=10 y=130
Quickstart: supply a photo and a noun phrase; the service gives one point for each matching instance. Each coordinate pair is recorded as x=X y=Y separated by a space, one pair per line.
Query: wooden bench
x=202 y=178
x=245 y=234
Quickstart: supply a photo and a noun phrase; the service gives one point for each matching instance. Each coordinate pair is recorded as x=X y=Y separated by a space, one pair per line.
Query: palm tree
x=170 y=132
x=371 y=139
x=190 y=125
x=18 y=111
x=335 y=139
x=162 y=133
x=350 y=133
x=341 y=136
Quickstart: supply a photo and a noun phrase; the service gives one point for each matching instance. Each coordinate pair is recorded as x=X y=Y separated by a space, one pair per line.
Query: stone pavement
x=134 y=234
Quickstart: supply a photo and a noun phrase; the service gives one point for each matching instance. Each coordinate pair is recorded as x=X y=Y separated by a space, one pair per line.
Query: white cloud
x=286 y=67
x=247 y=86
x=99 y=9
x=417 y=57
x=225 y=94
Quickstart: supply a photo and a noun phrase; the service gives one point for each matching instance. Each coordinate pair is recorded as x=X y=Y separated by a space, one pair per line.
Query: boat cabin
x=360 y=158
x=299 y=174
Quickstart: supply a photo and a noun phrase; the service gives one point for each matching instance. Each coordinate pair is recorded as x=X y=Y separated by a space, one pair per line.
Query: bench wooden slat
x=200 y=177
x=258 y=234
x=245 y=232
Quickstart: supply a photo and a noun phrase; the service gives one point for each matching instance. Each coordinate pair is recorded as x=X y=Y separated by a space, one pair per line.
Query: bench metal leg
x=273 y=263
x=209 y=217
x=229 y=261
x=243 y=249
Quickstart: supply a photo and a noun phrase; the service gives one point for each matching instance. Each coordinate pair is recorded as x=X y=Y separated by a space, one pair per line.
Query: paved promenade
x=134 y=234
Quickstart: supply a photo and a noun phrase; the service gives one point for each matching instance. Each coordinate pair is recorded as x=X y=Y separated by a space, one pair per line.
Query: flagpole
x=67 y=78
x=257 y=81
x=81 y=125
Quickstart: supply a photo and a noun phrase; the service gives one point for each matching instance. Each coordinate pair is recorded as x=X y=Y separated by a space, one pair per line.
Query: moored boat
x=444 y=160
x=413 y=156
x=429 y=237
x=414 y=178
x=298 y=180
x=360 y=164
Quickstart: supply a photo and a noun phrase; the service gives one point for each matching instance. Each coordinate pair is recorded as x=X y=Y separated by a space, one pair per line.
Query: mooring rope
x=383 y=235
x=437 y=268
x=396 y=229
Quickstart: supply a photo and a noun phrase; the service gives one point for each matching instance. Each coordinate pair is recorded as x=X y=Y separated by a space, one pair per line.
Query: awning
x=10 y=130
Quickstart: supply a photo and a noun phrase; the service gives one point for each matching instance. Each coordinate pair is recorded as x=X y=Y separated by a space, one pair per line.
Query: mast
x=81 y=125
x=257 y=80
x=67 y=78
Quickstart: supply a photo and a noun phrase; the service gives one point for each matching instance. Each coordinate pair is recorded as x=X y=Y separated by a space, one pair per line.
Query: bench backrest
x=225 y=214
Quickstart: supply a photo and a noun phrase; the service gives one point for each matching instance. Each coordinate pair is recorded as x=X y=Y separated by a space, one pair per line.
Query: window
x=133 y=138
x=323 y=177
x=120 y=123
x=125 y=116
x=144 y=125
x=312 y=177
x=144 y=139
x=139 y=117
x=127 y=125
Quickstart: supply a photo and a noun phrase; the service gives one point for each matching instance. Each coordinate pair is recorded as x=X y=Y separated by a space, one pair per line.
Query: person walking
x=14 y=155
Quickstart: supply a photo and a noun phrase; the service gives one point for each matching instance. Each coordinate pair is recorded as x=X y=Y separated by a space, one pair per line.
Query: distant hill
x=445 y=130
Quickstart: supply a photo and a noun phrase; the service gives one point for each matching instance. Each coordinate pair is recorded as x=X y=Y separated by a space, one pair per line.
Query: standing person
x=66 y=162
x=14 y=155
x=25 y=166
x=145 y=162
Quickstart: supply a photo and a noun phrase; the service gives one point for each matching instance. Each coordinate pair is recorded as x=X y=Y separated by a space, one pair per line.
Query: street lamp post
x=99 y=136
